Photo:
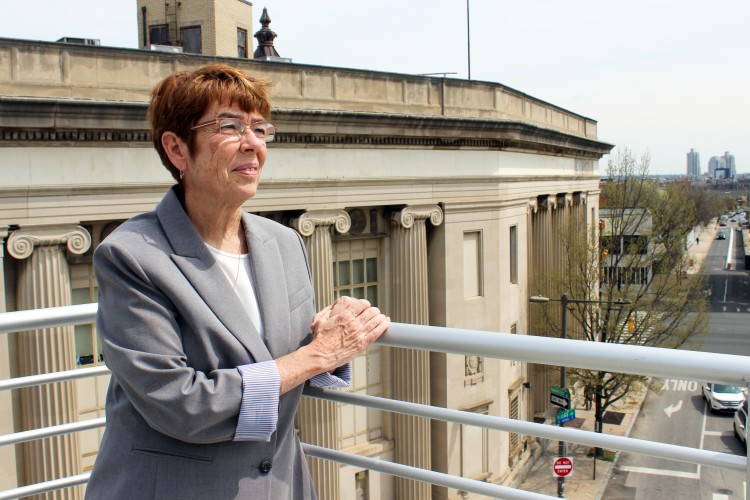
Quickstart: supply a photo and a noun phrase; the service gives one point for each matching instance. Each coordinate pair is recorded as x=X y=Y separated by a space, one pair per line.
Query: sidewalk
x=697 y=251
x=583 y=485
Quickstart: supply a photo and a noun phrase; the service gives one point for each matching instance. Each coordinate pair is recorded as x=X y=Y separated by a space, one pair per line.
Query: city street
x=678 y=414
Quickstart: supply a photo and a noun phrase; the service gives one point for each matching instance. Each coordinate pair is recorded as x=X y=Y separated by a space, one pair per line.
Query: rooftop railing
x=648 y=361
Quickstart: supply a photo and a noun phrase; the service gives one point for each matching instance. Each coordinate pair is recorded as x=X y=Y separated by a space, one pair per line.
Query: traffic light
x=631 y=324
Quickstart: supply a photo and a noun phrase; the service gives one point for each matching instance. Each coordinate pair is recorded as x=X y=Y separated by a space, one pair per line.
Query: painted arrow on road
x=669 y=410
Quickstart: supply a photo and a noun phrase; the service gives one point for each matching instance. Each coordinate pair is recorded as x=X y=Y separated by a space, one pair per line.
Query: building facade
x=693 y=164
x=212 y=27
x=437 y=199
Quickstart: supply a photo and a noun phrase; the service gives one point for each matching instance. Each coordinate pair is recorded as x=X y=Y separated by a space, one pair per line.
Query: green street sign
x=560 y=392
x=565 y=416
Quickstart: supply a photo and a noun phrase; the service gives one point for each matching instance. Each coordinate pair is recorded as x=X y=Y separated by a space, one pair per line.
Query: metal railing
x=648 y=361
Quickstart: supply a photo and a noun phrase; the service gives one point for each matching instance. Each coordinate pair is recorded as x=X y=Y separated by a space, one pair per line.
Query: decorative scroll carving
x=568 y=199
x=548 y=202
x=21 y=243
x=532 y=206
x=306 y=223
x=407 y=216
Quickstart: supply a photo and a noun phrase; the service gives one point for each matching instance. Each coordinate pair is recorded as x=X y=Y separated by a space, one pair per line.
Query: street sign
x=558 y=401
x=562 y=467
x=559 y=396
x=565 y=416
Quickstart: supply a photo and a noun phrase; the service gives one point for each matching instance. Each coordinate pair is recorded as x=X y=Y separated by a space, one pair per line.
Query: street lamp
x=562 y=446
x=564 y=301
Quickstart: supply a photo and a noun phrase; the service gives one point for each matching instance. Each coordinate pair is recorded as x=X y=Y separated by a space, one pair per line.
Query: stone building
x=437 y=199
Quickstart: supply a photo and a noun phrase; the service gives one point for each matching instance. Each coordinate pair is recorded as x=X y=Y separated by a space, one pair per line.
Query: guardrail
x=649 y=361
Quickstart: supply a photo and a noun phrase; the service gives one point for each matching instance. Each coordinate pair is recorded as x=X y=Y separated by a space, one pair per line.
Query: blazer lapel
x=201 y=269
x=270 y=284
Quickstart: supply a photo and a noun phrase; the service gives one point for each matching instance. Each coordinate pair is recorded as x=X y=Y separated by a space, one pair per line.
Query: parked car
x=722 y=397
x=740 y=423
x=721 y=235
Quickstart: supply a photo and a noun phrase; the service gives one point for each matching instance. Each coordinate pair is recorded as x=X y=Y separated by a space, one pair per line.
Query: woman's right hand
x=344 y=329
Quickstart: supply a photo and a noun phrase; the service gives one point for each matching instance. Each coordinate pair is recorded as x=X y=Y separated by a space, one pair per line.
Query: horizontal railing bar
x=615 y=358
x=618 y=358
x=55 y=484
x=439 y=478
x=567 y=434
x=47 y=378
x=55 y=430
x=34 y=319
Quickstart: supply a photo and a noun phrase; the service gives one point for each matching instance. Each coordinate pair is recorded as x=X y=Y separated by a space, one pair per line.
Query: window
x=242 y=43
x=514 y=413
x=88 y=351
x=472 y=264
x=635 y=245
x=159 y=35
x=191 y=40
x=611 y=244
x=475 y=448
x=355 y=270
x=513 y=242
x=355 y=273
x=362 y=485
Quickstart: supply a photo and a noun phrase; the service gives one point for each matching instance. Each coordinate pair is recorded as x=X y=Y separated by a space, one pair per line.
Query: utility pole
x=561 y=451
x=468 y=37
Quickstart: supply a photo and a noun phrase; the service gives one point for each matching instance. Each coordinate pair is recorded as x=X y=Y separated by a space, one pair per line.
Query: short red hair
x=179 y=101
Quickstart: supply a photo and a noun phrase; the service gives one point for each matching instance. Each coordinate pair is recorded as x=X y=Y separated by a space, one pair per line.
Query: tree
x=637 y=256
x=709 y=203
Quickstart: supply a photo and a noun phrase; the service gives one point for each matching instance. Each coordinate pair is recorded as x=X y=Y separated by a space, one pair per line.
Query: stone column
x=411 y=367
x=7 y=453
x=44 y=281
x=317 y=419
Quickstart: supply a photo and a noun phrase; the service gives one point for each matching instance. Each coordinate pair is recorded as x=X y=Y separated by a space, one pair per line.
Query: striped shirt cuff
x=259 y=412
x=337 y=379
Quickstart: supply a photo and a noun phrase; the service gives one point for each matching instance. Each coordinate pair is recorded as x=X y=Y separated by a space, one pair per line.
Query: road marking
x=669 y=410
x=661 y=472
x=720 y=496
x=718 y=433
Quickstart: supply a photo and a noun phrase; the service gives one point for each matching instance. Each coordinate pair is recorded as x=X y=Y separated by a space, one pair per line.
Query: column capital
x=532 y=206
x=580 y=197
x=306 y=223
x=408 y=215
x=548 y=202
x=21 y=242
x=567 y=199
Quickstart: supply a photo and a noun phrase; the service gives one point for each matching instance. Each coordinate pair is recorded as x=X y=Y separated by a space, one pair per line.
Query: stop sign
x=562 y=467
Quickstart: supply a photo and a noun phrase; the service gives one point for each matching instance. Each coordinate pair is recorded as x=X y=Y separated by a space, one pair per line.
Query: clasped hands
x=344 y=329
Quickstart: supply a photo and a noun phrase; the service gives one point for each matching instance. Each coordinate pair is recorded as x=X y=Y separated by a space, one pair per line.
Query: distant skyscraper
x=716 y=162
x=693 y=164
x=729 y=163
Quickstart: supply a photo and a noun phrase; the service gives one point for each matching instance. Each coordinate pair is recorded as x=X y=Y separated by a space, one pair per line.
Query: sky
x=659 y=76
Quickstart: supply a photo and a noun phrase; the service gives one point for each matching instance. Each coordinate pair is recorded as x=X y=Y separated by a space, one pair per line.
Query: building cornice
x=48 y=121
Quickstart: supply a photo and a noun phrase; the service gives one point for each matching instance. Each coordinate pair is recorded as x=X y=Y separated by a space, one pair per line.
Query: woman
x=206 y=314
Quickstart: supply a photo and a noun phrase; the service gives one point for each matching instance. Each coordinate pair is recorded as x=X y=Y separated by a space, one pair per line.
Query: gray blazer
x=173 y=332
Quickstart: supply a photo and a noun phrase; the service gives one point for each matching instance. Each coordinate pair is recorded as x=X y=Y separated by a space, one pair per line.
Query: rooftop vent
x=80 y=41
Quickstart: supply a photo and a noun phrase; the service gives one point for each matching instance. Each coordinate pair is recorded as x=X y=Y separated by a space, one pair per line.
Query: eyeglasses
x=234 y=127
